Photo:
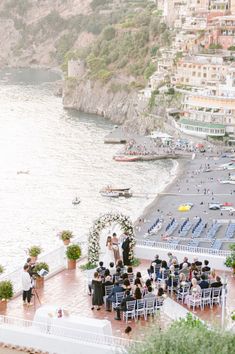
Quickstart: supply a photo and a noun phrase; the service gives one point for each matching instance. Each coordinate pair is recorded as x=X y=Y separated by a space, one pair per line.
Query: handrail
x=169 y=246
x=47 y=328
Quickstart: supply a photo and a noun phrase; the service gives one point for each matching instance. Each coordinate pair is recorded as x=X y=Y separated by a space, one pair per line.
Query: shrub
x=232 y=47
x=73 y=252
x=65 y=235
x=109 y=33
x=1 y=269
x=230 y=260
x=88 y=266
x=6 y=290
x=39 y=266
x=183 y=337
x=34 y=251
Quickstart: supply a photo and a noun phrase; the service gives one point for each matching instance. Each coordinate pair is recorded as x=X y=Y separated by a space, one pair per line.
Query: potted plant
x=73 y=253
x=6 y=293
x=34 y=251
x=65 y=236
x=230 y=260
x=39 y=280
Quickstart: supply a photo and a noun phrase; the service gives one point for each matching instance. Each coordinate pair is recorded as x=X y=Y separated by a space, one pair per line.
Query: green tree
x=109 y=33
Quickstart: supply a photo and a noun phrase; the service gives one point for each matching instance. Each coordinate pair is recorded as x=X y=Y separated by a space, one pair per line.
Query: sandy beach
x=192 y=184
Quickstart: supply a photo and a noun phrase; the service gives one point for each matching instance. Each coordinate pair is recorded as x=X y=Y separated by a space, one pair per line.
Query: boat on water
x=76 y=201
x=116 y=192
x=126 y=158
x=23 y=172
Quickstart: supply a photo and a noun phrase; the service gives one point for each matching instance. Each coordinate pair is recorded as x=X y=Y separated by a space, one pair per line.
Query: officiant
x=126 y=248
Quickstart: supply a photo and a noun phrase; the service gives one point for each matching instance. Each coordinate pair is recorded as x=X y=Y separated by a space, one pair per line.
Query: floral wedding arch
x=99 y=224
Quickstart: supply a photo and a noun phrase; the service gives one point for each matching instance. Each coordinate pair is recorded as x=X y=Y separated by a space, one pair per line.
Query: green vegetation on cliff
x=125 y=35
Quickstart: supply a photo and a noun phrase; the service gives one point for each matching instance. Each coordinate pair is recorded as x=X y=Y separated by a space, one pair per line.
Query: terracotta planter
x=3 y=305
x=34 y=259
x=66 y=242
x=71 y=264
x=39 y=283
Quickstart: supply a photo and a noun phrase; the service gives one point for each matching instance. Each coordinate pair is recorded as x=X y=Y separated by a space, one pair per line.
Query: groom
x=126 y=249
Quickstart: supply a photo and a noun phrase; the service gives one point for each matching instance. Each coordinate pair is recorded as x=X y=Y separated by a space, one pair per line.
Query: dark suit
x=204 y=284
x=206 y=269
x=122 y=306
x=216 y=284
x=125 y=251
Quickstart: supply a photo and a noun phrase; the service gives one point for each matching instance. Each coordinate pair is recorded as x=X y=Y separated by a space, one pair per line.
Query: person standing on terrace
x=26 y=285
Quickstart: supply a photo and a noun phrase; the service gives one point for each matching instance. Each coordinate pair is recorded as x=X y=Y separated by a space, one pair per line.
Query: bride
x=109 y=254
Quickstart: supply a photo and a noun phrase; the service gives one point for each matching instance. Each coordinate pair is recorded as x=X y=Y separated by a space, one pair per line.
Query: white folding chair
x=194 y=301
x=130 y=310
x=119 y=298
x=216 y=296
x=149 y=306
x=159 y=303
x=206 y=297
x=140 y=308
x=182 y=293
x=107 y=291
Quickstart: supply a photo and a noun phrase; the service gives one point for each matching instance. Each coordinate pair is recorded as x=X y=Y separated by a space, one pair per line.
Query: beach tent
x=184 y=208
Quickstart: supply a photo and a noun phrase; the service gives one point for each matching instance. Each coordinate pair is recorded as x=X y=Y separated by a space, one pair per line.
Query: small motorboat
x=126 y=158
x=23 y=172
x=115 y=192
x=76 y=201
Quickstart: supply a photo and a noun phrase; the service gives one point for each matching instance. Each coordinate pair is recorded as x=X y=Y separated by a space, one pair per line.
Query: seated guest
x=195 y=291
x=139 y=276
x=197 y=262
x=117 y=275
x=130 y=270
x=123 y=307
x=156 y=262
x=107 y=282
x=163 y=269
x=175 y=263
x=203 y=283
x=126 y=284
x=212 y=276
x=193 y=271
x=150 y=294
x=101 y=268
x=120 y=265
x=185 y=270
x=112 y=297
x=160 y=292
x=182 y=282
x=185 y=261
x=111 y=268
x=206 y=268
x=106 y=272
x=137 y=294
x=217 y=283
x=137 y=284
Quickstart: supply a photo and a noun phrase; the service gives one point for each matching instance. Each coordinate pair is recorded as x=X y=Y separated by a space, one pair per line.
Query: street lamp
x=224 y=282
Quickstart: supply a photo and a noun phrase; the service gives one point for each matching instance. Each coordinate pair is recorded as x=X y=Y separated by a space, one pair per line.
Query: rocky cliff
x=121 y=107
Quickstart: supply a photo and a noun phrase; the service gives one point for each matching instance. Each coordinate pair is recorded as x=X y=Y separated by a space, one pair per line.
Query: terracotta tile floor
x=68 y=290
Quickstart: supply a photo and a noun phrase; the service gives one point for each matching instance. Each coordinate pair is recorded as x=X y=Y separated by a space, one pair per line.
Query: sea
x=48 y=156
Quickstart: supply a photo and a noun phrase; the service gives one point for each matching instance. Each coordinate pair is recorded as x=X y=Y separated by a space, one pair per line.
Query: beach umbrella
x=184 y=208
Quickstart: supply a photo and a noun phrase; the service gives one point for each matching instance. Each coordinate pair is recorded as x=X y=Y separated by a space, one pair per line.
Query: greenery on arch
x=99 y=224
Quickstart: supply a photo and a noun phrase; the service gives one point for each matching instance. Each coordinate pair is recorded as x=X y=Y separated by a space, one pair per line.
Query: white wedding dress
x=108 y=256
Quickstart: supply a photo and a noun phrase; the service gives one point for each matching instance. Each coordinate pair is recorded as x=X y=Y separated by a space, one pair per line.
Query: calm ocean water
x=65 y=156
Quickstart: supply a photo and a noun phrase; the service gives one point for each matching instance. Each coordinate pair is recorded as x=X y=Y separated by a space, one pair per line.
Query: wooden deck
x=68 y=290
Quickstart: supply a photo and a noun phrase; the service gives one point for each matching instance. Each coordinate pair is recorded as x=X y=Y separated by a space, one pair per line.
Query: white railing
x=191 y=249
x=65 y=332
x=55 y=259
